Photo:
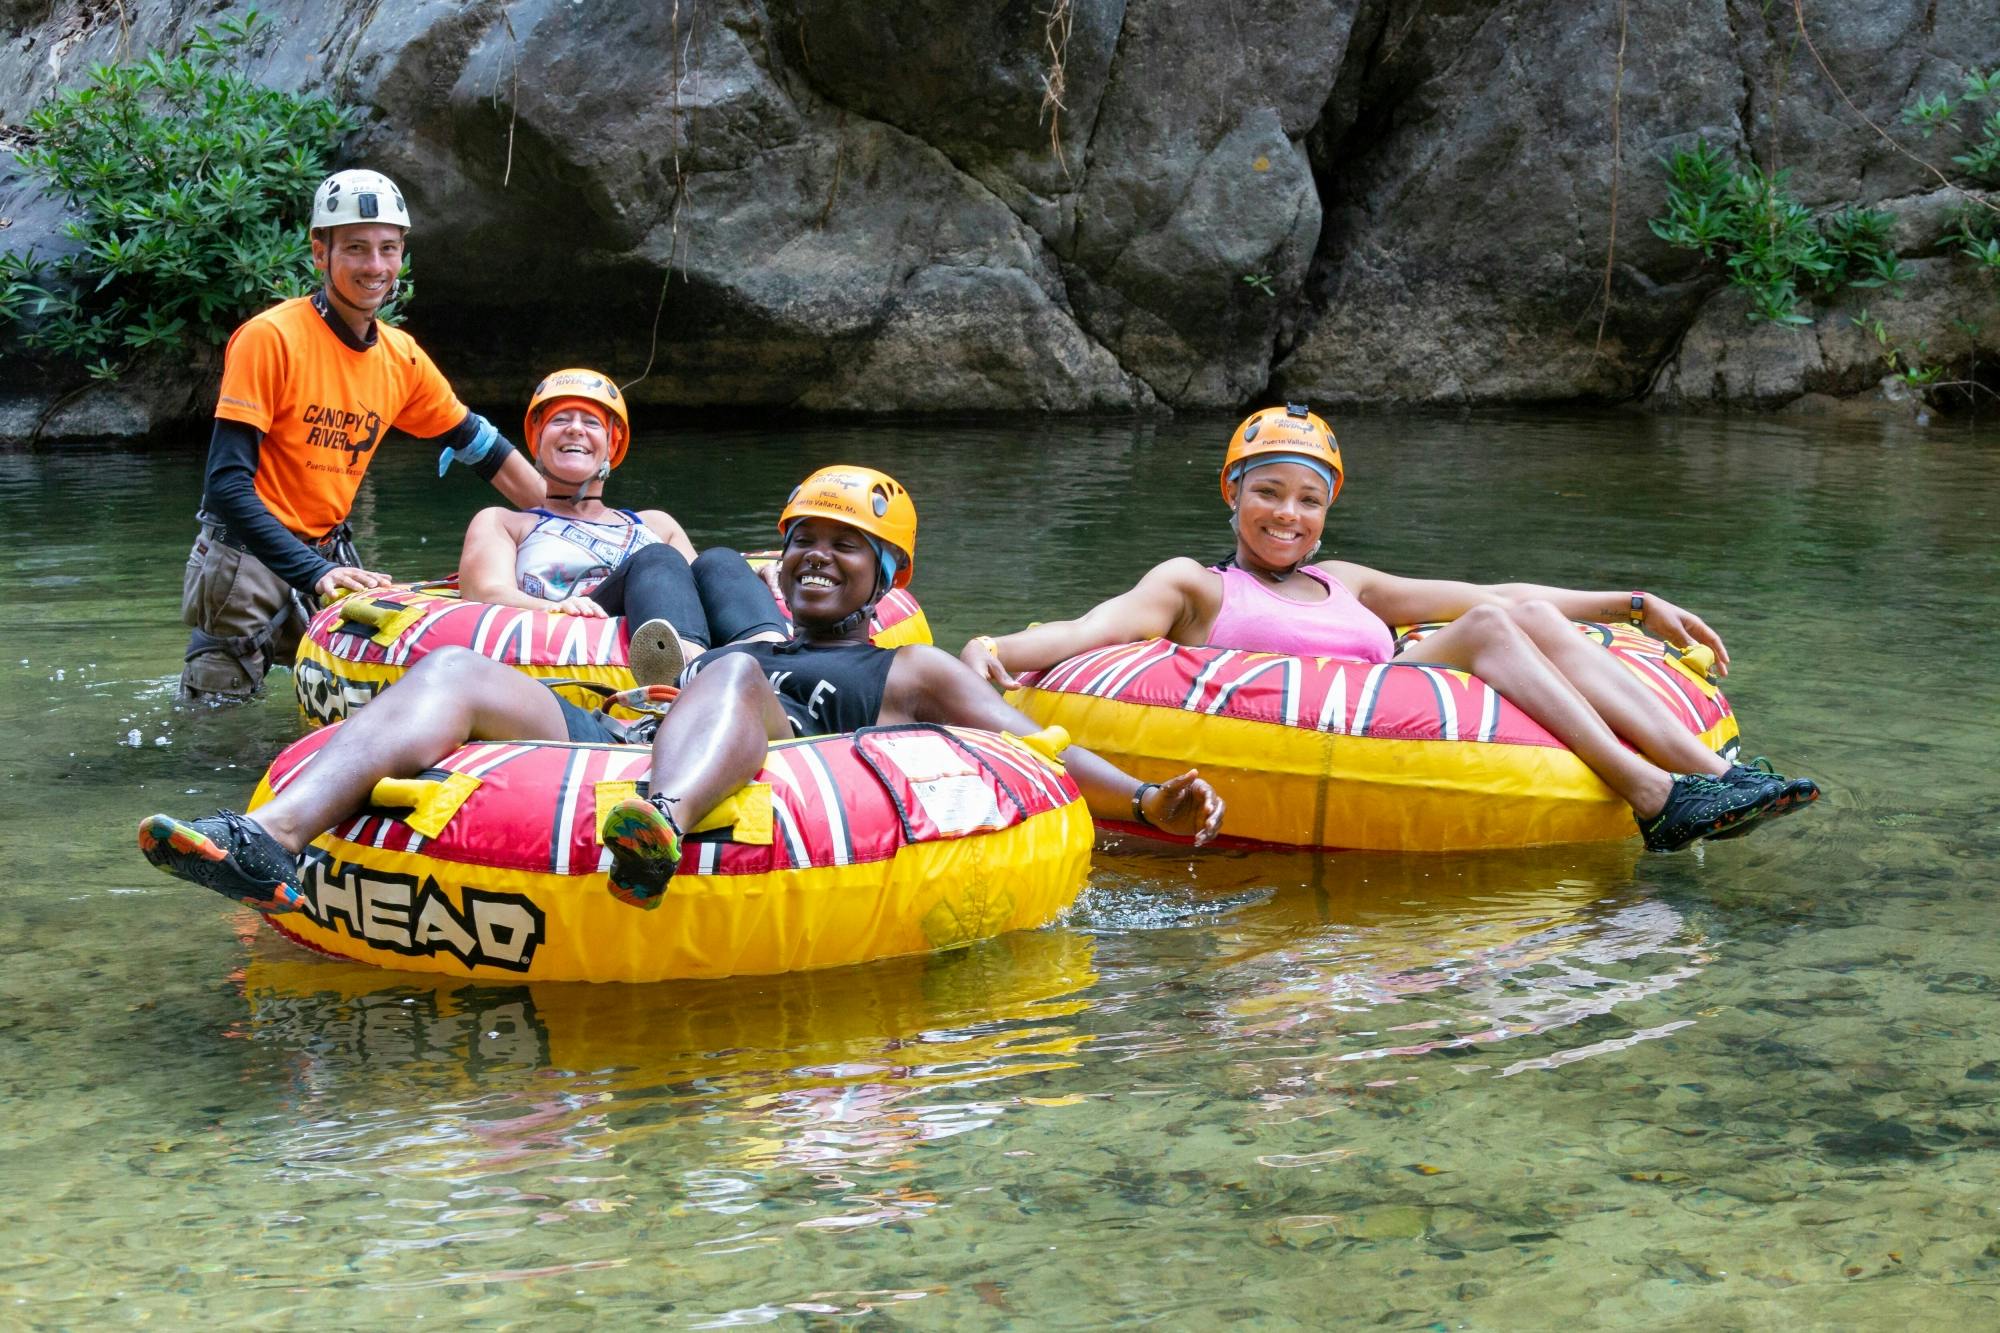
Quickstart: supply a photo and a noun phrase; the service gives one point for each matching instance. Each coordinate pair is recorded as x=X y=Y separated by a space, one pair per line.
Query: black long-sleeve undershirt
x=230 y=496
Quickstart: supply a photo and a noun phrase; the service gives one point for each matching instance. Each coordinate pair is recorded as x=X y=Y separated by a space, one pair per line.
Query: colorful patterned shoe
x=656 y=654
x=645 y=846
x=227 y=853
x=1700 y=807
x=1783 y=795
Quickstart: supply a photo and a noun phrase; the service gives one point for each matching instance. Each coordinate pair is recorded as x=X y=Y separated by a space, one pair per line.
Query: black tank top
x=825 y=689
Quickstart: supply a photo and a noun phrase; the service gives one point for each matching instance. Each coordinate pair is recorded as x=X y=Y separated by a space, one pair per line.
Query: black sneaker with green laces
x=1699 y=806
x=1782 y=795
x=227 y=853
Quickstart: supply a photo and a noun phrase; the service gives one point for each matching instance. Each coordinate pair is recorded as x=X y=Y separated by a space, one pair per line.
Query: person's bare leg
x=715 y=737
x=451 y=697
x=1487 y=642
x=1618 y=697
x=714 y=740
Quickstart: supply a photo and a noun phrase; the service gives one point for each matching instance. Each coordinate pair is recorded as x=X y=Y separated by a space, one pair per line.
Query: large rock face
x=914 y=205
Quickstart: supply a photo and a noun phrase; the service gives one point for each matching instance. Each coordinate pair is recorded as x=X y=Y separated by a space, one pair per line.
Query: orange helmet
x=584 y=386
x=863 y=498
x=1291 y=429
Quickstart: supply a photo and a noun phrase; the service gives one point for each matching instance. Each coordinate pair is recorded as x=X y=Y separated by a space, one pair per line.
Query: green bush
x=1974 y=225
x=1980 y=162
x=1770 y=243
x=193 y=187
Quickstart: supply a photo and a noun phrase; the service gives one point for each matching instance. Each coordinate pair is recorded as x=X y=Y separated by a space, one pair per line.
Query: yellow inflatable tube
x=1320 y=752
x=364 y=643
x=895 y=840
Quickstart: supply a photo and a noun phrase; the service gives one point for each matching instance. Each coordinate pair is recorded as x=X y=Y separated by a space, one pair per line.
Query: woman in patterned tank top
x=1281 y=473
x=578 y=556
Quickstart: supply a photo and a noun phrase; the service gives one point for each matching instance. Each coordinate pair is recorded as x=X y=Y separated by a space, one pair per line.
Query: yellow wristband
x=992 y=648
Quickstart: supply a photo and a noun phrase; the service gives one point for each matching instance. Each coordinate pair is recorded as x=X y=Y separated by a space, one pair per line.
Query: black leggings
x=718 y=599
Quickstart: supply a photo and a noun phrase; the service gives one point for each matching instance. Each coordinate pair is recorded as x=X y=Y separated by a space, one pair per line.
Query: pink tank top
x=1255 y=618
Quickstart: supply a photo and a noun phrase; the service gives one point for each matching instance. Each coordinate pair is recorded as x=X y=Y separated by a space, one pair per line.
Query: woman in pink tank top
x=1282 y=471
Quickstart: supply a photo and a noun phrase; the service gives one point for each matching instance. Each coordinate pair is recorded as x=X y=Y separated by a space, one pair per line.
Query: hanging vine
x=1979 y=200
x=1617 y=162
x=681 y=48
x=1055 y=84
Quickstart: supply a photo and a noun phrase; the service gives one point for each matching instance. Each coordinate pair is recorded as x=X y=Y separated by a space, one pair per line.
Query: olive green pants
x=245 y=620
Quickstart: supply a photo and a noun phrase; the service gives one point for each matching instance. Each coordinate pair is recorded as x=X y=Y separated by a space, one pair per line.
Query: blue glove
x=484 y=437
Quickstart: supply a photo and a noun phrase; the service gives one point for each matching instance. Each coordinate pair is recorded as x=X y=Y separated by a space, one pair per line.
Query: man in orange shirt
x=309 y=388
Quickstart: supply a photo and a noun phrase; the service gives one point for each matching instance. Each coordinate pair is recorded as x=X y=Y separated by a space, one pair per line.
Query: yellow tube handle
x=1697 y=662
x=1699 y=656
x=431 y=802
x=360 y=609
x=1047 y=744
x=400 y=793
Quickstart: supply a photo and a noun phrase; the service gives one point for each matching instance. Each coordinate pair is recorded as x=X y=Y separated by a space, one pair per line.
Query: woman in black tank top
x=825 y=688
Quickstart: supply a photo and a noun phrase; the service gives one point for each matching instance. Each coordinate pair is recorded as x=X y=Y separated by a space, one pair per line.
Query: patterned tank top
x=1255 y=618
x=563 y=557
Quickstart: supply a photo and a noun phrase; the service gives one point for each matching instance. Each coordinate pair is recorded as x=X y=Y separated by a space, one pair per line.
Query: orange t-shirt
x=323 y=407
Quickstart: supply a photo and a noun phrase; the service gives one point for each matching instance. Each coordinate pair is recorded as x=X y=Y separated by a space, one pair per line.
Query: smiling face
x=574 y=441
x=360 y=263
x=1280 y=514
x=828 y=572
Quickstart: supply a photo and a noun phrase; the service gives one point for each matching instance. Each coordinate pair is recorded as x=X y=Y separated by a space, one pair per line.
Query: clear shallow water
x=1750 y=1086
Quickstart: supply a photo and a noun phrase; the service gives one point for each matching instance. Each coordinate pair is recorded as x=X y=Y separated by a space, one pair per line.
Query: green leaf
x=190 y=185
x=1927 y=114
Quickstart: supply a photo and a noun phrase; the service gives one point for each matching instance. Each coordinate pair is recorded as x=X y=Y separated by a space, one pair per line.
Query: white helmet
x=348 y=197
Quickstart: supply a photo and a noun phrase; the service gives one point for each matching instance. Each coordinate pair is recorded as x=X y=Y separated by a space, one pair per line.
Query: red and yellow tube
x=895 y=840
x=1321 y=752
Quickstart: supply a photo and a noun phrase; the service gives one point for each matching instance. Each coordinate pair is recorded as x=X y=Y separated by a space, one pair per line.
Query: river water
x=1753 y=1085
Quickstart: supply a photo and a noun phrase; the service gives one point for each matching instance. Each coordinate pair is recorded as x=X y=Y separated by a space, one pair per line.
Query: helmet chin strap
x=597 y=478
x=852 y=621
x=602 y=475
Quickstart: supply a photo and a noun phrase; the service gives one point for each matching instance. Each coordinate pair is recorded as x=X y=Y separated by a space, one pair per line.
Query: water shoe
x=1699 y=806
x=645 y=846
x=1784 y=795
x=656 y=654
x=227 y=853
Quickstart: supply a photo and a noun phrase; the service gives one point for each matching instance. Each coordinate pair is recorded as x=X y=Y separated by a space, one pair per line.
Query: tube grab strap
x=431 y=801
x=1046 y=744
x=746 y=812
x=1696 y=661
x=388 y=619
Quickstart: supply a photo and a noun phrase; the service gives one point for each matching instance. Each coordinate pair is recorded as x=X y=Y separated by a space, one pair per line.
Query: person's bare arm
x=668 y=529
x=927 y=684
x=1171 y=600
x=518 y=480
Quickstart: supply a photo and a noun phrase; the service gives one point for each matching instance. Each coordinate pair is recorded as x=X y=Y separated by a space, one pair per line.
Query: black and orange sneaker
x=1700 y=806
x=645 y=846
x=1782 y=795
x=227 y=853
